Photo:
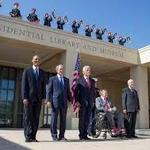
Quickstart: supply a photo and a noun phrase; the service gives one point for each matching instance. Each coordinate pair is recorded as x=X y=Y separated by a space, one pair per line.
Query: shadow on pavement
x=100 y=139
x=8 y=145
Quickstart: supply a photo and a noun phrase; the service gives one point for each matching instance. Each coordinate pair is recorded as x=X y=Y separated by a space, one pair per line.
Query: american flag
x=76 y=76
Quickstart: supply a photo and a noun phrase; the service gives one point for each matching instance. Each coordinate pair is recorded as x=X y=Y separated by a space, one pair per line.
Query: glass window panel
x=3 y=106
x=4 y=84
x=3 y=95
x=7 y=93
x=49 y=119
x=10 y=95
x=11 y=84
x=9 y=108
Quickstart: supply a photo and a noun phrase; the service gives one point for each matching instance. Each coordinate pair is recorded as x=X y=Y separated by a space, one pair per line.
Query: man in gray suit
x=104 y=104
x=130 y=103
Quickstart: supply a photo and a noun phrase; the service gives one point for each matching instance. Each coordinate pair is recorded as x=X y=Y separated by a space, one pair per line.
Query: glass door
x=7 y=94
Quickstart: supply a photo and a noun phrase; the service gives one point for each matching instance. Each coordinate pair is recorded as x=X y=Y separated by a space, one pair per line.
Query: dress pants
x=84 y=118
x=131 y=116
x=61 y=111
x=31 y=119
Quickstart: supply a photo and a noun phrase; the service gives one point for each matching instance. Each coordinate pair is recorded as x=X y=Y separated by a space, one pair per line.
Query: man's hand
x=110 y=109
x=26 y=102
x=125 y=111
x=48 y=104
x=138 y=110
x=44 y=102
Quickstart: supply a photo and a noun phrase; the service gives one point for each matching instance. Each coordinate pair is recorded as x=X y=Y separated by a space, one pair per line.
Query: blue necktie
x=36 y=73
x=61 y=81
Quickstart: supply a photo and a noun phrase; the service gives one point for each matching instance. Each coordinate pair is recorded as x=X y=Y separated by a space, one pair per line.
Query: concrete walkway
x=14 y=140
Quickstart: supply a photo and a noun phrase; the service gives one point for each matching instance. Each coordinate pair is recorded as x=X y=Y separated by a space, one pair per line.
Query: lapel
x=65 y=81
x=40 y=74
x=84 y=82
x=133 y=93
x=33 y=74
x=57 y=81
x=91 y=83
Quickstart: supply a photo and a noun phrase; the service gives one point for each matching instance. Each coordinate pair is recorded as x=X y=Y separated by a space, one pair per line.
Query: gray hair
x=130 y=81
x=60 y=65
x=86 y=67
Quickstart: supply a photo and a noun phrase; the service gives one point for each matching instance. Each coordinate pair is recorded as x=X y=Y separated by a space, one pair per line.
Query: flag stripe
x=76 y=76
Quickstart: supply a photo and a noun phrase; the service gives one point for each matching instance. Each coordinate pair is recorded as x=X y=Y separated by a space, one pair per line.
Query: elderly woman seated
x=103 y=104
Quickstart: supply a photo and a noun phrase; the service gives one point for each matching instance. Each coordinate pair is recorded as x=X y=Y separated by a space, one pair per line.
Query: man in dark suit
x=47 y=20
x=111 y=37
x=32 y=17
x=33 y=92
x=99 y=33
x=58 y=95
x=85 y=96
x=89 y=30
x=15 y=13
x=130 y=103
x=76 y=25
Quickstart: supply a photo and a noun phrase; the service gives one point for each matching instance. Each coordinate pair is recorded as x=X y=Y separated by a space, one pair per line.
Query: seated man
x=103 y=104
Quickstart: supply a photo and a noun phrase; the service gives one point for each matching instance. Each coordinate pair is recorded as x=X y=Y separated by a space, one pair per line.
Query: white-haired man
x=130 y=103
x=85 y=96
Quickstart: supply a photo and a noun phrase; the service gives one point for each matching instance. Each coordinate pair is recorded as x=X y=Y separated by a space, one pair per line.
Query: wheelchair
x=100 y=124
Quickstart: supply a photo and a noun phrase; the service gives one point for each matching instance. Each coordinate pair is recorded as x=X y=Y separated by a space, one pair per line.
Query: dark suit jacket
x=32 y=89
x=56 y=94
x=130 y=100
x=85 y=95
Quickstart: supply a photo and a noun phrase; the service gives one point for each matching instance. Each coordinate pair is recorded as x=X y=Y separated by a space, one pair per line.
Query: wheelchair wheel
x=105 y=135
x=96 y=127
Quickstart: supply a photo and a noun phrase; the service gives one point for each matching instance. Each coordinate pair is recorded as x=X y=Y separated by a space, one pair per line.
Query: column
x=140 y=75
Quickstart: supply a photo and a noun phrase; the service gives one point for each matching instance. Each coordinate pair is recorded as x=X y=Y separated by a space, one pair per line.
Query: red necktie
x=88 y=82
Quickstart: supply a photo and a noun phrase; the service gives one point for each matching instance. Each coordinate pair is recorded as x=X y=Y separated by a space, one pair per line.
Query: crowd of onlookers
x=75 y=25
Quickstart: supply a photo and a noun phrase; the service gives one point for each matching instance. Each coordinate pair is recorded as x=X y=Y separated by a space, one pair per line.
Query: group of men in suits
x=57 y=95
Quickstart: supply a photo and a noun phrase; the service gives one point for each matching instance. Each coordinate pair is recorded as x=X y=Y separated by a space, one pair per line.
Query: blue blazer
x=56 y=94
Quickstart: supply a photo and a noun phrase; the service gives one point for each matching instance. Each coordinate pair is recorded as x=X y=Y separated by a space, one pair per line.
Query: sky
x=125 y=17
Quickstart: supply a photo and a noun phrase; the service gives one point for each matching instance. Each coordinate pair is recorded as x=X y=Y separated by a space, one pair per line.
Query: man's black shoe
x=62 y=139
x=134 y=136
x=54 y=138
x=86 y=138
x=28 y=140
x=128 y=136
x=34 y=140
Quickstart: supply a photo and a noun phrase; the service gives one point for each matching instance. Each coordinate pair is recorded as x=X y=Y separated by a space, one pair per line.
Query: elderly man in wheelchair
x=107 y=118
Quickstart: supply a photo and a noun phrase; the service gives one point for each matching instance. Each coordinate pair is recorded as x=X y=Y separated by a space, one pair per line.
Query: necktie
x=61 y=81
x=88 y=82
x=36 y=73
